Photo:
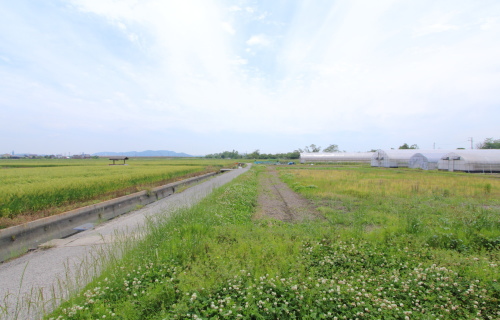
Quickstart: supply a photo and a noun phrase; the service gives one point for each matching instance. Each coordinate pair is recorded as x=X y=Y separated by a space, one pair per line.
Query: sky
x=203 y=76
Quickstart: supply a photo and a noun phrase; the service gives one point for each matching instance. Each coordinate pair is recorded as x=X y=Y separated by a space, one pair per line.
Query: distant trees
x=225 y=155
x=489 y=143
x=288 y=155
x=310 y=148
x=295 y=154
x=313 y=148
x=254 y=155
x=332 y=148
x=405 y=146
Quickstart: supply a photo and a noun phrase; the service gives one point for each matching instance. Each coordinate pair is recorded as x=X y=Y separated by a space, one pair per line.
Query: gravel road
x=40 y=278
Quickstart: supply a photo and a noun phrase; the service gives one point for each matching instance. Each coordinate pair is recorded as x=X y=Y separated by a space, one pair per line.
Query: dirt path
x=278 y=201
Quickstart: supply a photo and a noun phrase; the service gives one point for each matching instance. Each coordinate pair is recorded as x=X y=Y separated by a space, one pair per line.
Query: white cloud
x=490 y=23
x=239 y=61
x=262 y=16
x=434 y=28
x=437 y=22
x=229 y=28
x=259 y=40
x=234 y=9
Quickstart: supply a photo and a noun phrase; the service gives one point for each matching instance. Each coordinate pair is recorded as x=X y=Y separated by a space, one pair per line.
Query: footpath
x=42 y=279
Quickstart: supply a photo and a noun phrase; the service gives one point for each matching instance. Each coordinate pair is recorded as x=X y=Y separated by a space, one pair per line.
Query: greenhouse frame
x=336 y=157
x=426 y=160
x=392 y=158
x=482 y=160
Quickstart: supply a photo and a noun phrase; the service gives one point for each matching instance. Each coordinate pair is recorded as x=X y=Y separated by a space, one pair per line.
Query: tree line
x=295 y=154
x=489 y=143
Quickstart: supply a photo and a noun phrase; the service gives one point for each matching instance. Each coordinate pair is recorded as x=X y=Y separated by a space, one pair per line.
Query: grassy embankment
x=398 y=244
x=32 y=189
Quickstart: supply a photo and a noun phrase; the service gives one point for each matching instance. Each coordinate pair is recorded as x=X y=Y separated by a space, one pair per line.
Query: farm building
x=426 y=160
x=486 y=161
x=357 y=157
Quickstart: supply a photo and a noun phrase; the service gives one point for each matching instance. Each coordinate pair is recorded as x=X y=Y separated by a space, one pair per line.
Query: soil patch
x=278 y=201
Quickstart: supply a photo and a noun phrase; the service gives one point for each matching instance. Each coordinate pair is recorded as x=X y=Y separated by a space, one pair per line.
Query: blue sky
x=201 y=76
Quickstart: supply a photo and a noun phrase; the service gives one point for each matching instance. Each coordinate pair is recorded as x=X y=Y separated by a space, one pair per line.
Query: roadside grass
x=375 y=258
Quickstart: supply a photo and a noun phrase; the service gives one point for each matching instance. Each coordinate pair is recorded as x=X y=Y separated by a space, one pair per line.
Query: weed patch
x=406 y=256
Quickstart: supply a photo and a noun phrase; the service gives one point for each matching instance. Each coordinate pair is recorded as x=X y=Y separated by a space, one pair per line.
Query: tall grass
x=441 y=209
x=215 y=262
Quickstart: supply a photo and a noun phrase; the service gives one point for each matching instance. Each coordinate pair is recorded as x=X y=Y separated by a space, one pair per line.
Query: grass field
x=397 y=244
x=441 y=209
x=34 y=188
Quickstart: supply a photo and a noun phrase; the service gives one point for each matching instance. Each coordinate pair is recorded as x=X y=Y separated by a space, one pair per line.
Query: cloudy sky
x=203 y=76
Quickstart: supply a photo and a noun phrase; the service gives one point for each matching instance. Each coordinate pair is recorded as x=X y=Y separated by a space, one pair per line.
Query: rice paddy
x=43 y=187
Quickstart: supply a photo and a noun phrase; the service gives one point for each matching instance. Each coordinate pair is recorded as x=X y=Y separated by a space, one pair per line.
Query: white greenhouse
x=337 y=157
x=393 y=158
x=426 y=160
x=481 y=160
x=397 y=158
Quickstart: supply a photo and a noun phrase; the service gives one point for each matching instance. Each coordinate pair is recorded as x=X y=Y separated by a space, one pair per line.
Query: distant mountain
x=147 y=153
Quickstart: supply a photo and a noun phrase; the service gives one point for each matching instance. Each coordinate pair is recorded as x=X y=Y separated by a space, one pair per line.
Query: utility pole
x=471 y=142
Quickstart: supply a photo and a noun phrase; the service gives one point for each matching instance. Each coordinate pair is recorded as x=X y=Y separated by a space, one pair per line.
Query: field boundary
x=17 y=240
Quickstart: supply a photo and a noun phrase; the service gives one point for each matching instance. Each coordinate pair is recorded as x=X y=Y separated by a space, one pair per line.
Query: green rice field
x=31 y=186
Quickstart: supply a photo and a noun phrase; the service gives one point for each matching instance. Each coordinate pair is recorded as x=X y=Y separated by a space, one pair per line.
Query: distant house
x=81 y=156
x=6 y=156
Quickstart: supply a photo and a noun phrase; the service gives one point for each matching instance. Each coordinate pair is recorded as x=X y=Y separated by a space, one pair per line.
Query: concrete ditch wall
x=18 y=240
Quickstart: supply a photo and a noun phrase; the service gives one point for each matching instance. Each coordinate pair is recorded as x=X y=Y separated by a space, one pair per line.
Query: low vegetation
x=34 y=188
x=397 y=244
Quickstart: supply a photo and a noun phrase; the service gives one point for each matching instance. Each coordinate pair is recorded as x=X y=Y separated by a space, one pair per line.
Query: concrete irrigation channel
x=39 y=279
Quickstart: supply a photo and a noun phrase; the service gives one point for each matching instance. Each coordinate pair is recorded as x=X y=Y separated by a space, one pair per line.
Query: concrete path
x=39 y=279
